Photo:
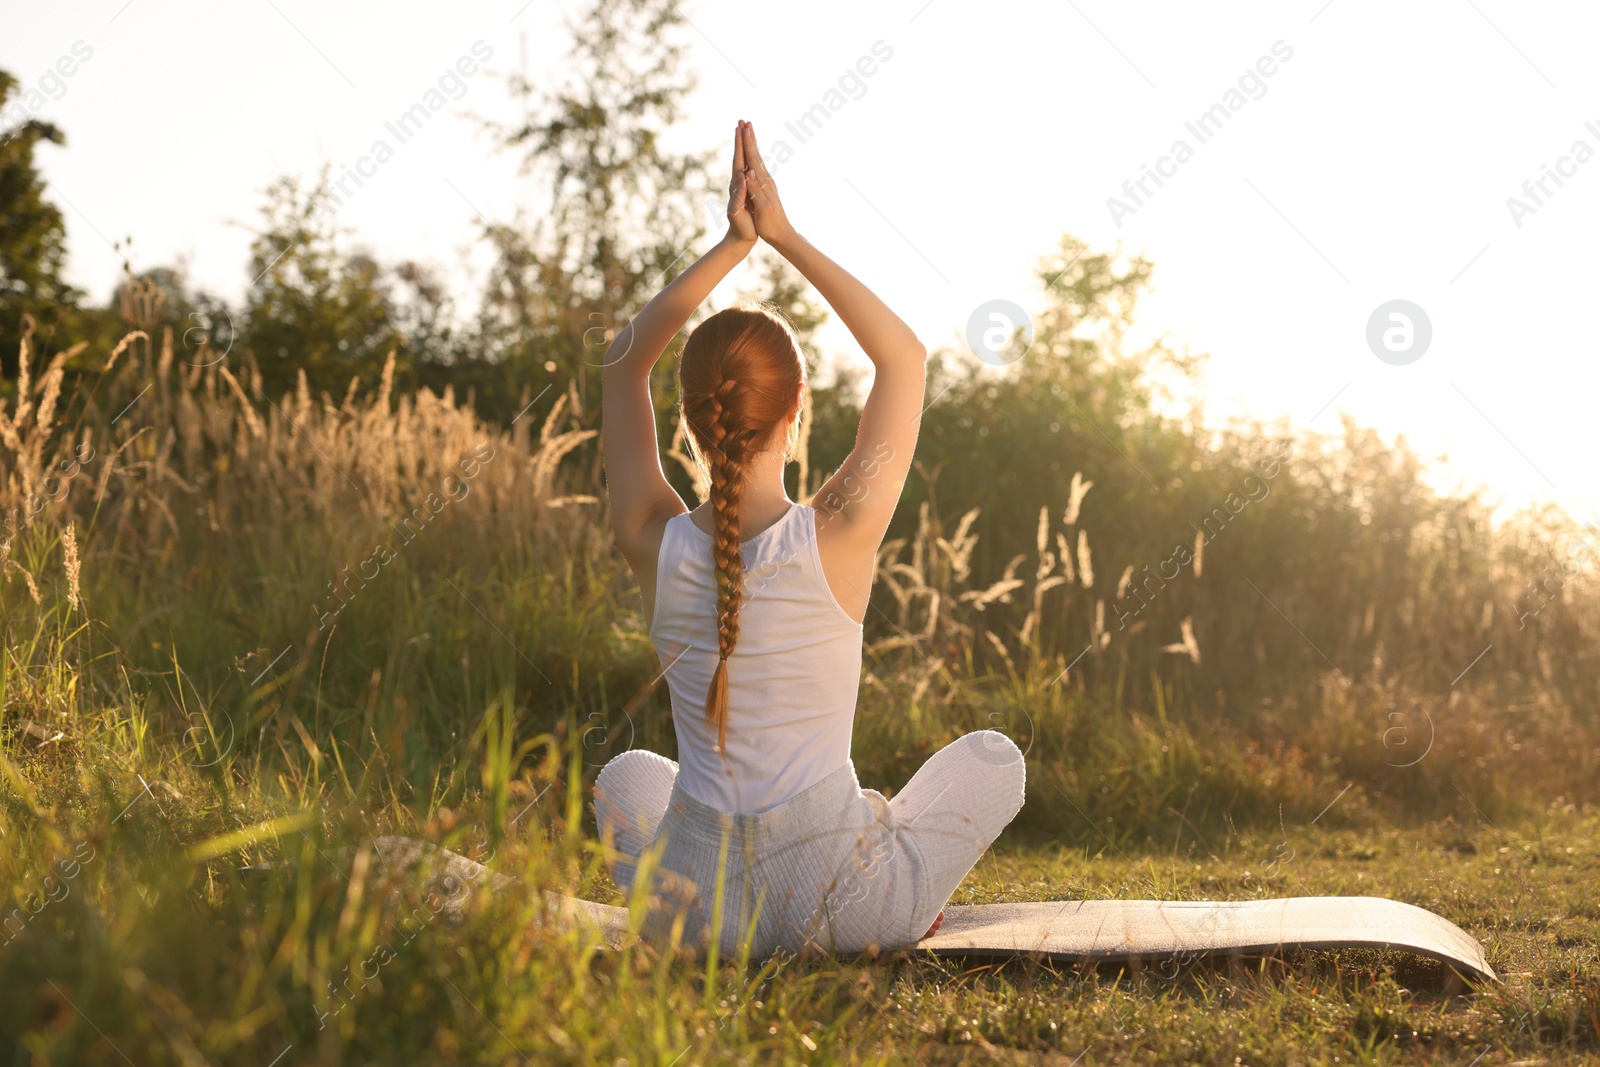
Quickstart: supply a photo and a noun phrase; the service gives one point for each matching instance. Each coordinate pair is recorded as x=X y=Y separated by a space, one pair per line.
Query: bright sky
x=1374 y=163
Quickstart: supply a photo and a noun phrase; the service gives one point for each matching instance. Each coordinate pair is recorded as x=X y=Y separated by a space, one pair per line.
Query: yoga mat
x=1160 y=933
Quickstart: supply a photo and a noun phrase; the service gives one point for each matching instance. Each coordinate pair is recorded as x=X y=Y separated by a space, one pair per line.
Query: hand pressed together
x=741 y=223
x=753 y=205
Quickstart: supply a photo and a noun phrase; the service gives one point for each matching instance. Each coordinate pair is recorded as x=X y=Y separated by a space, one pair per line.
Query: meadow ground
x=152 y=948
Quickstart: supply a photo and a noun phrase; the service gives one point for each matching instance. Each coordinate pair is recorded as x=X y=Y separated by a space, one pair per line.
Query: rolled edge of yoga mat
x=1157 y=930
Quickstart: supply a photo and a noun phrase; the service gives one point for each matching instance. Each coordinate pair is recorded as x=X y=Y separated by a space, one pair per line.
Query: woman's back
x=792 y=678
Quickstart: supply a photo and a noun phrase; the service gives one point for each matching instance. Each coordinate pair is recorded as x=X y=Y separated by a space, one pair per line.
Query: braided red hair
x=739 y=376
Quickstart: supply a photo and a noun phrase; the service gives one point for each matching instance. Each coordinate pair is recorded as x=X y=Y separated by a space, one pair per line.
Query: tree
x=624 y=208
x=32 y=237
x=313 y=307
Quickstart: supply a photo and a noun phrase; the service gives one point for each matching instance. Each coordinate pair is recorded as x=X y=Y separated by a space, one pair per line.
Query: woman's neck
x=764 y=500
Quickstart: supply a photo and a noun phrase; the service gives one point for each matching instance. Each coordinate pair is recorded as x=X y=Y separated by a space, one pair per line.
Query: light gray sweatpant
x=836 y=867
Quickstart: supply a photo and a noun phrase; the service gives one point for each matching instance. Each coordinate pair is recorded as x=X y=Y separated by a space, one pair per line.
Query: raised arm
x=855 y=505
x=641 y=498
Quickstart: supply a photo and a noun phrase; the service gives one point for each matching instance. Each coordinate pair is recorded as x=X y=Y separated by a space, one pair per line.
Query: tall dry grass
x=325 y=579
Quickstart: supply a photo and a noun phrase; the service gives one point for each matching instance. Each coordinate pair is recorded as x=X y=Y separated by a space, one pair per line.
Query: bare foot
x=935 y=925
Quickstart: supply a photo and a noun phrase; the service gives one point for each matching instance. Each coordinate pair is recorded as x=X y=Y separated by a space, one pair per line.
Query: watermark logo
x=1398 y=741
x=50 y=86
x=852 y=85
x=999 y=332
x=450 y=86
x=203 y=737
x=1537 y=190
x=1549 y=585
x=1251 y=85
x=410 y=526
x=206 y=330
x=1138 y=588
x=995 y=746
x=1399 y=332
x=596 y=739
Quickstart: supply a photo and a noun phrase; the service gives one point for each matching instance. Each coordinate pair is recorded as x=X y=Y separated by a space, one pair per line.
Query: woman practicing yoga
x=755 y=606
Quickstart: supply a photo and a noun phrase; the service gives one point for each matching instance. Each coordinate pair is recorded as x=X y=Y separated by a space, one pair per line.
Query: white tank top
x=792 y=678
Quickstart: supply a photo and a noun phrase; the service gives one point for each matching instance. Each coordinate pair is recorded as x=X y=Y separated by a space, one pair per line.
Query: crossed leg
x=630 y=799
x=954 y=807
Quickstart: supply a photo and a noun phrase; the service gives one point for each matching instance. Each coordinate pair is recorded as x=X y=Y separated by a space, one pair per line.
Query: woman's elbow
x=617 y=361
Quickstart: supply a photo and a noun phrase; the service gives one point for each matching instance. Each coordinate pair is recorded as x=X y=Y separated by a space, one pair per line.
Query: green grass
x=159 y=950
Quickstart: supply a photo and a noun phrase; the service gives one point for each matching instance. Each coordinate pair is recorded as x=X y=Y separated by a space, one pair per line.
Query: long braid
x=727 y=486
x=740 y=376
